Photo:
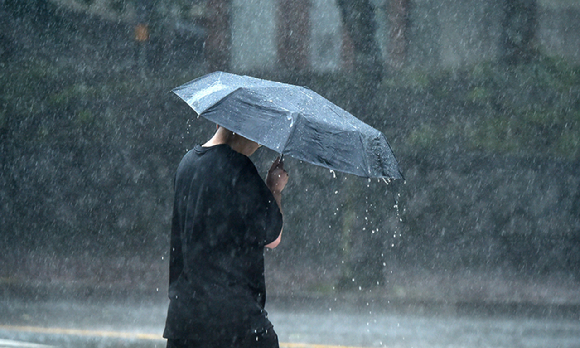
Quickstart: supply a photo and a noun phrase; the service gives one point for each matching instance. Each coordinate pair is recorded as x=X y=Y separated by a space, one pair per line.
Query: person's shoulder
x=224 y=157
x=187 y=157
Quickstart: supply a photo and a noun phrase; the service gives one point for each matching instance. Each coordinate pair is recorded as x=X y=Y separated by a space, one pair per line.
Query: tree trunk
x=519 y=31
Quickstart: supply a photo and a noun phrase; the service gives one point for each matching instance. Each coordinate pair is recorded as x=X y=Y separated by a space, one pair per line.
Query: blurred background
x=480 y=101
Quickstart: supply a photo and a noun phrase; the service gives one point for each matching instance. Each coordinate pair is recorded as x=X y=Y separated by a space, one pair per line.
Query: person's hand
x=277 y=177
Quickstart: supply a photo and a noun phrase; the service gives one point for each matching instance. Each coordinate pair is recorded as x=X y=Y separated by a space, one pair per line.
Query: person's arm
x=276 y=181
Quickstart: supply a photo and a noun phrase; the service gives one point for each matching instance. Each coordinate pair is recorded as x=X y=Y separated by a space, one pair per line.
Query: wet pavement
x=305 y=322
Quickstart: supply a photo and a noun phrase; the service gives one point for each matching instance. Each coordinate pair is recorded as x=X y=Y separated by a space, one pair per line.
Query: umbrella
x=292 y=120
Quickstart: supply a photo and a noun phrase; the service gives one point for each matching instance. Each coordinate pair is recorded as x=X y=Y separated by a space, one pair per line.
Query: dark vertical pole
x=519 y=31
x=218 y=41
x=142 y=34
x=347 y=52
x=293 y=24
x=362 y=269
x=398 y=21
x=358 y=20
x=573 y=237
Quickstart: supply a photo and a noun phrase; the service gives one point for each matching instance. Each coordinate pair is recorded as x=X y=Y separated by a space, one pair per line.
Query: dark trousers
x=267 y=339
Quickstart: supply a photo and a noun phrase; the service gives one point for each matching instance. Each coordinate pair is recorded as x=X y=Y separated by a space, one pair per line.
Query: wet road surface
x=314 y=323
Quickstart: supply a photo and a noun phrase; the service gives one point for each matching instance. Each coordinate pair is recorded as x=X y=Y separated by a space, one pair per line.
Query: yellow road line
x=99 y=333
x=308 y=345
x=132 y=335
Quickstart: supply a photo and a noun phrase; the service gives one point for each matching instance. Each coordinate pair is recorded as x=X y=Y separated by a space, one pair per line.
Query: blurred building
x=266 y=35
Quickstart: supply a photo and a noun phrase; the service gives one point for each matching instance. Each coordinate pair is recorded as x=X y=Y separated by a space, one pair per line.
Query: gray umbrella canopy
x=293 y=121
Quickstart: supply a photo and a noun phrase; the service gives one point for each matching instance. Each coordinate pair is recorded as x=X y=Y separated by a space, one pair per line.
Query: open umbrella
x=293 y=121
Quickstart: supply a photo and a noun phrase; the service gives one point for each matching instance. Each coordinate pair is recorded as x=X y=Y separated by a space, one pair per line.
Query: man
x=224 y=215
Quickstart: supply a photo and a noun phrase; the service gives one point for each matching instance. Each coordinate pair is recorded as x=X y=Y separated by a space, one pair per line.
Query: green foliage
x=479 y=94
x=568 y=145
x=527 y=109
x=414 y=79
x=118 y=5
x=85 y=118
x=424 y=137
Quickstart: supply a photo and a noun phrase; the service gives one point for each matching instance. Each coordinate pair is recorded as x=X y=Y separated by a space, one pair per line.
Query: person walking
x=224 y=216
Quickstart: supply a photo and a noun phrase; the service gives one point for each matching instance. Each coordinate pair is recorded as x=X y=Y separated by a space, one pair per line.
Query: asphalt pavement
x=329 y=322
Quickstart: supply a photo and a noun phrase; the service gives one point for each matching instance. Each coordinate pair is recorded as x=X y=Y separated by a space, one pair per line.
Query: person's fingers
x=277 y=164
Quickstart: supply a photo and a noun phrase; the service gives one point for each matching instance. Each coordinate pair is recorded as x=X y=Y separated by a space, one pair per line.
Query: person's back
x=224 y=215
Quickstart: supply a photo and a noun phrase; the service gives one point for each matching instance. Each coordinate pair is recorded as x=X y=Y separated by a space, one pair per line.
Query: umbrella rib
x=292 y=131
x=220 y=101
x=364 y=158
